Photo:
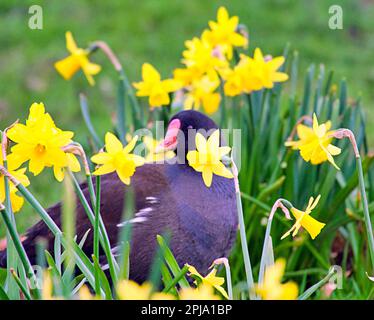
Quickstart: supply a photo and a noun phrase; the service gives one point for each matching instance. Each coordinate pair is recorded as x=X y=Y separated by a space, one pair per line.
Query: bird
x=169 y=198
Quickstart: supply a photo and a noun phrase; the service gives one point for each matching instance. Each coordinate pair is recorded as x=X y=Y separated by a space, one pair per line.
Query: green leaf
x=171 y=262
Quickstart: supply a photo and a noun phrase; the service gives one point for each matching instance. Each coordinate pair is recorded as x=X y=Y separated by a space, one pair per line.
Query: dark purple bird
x=169 y=198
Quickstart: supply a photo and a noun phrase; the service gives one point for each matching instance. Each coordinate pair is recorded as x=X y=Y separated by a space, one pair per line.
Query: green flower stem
x=17 y=242
x=91 y=190
x=369 y=228
x=11 y=250
x=346 y=133
x=96 y=230
x=277 y=204
x=225 y=262
x=121 y=113
x=243 y=237
x=104 y=239
x=318 y=285
x=124 y=87
x=87 y=119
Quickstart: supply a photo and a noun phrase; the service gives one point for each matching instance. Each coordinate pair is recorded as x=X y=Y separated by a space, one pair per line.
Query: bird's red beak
x=170 y=141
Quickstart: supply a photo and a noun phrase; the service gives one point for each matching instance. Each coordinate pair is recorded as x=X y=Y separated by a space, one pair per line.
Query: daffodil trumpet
x=284 y=205
x=210 y=279
x=346 y=133
x=303 y=219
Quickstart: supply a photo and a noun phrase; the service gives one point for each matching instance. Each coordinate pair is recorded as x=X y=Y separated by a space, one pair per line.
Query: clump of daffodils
x=208 y=63
x=40 y=143
x=207 y=157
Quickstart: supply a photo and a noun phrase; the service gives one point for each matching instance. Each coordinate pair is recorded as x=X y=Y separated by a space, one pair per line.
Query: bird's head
x=181 y=132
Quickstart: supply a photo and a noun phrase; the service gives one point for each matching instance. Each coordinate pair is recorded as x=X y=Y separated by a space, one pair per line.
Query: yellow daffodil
x=235 y=80
x=78 y=59
x=118 y=158
x=272 y=287
x=153 y=87
x=130 y=290
x=47 y=287
x=201 y=57
x=16 y=200
x=203 y=292
x=40 y=142
x=152 y=156
x=72 y=163
x=186 y=76
x=303 y=219
x=207 y=158
x=315 y=143
x=252 y=74
x=85 y=294
x=211 y=279
x=201 y=93
x=223 y=32
x=264 y=71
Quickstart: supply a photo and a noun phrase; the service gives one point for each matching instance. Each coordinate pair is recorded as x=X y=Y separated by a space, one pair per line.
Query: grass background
x=155 y=31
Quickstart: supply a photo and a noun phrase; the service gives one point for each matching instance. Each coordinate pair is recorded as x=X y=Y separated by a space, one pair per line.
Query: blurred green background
x=155 y=31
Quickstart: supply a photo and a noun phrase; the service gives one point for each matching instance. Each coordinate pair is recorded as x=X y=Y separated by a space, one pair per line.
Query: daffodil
x=264 y=72
x=211 y=280
x=203 y=292
x=78 y=59
x=272 y=287
x=118 y=158
x=72 y=164
x=153 y=87
x=40 y=142
x=207 y=158
x=201 y=93
x=303 y=219
x=130 y=290
x=223 y=32
x=235 y=80
x=201 y=56
x=47 y=287
x=252 y=74
x=152 y=156
x=85 y=294
x=315 y=143
x=16 y=200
